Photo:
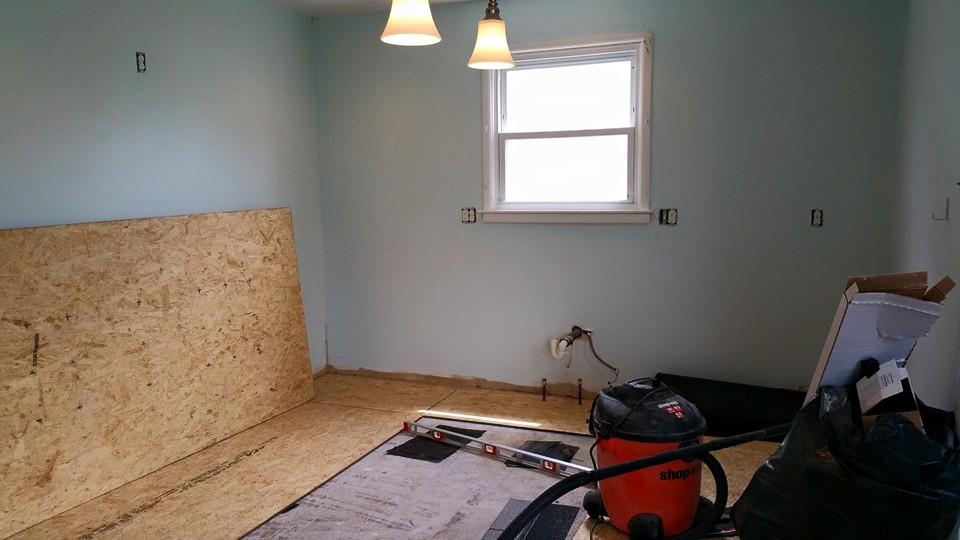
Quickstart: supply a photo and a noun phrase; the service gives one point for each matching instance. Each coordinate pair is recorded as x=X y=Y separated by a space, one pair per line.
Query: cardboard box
x=913 y=284
x=888 y=391
x=875 y=324
x=939 y=292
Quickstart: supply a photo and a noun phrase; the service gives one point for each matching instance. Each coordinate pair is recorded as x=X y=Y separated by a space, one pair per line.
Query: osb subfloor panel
x=554 y=414
x=379 y=394
x=228 y=489
x=232 y=487
x=127 y=345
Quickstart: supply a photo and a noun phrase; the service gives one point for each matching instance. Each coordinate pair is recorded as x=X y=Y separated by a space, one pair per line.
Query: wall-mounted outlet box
x=816 y=217
x=141 y=62
x=669 y=216
x=468 y=215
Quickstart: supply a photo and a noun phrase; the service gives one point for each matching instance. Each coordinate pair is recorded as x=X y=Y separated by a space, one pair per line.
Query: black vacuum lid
x=645 y=410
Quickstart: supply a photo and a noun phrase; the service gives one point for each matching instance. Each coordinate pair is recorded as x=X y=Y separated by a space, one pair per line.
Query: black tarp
x=830 y=479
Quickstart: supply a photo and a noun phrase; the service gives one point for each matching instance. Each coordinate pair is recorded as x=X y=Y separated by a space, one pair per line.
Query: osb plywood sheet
x=516 y=408
x=379 y=394
x=125 y=346
x=229 y=489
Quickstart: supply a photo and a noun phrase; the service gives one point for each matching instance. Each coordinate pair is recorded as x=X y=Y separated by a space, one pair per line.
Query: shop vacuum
x=649 y=456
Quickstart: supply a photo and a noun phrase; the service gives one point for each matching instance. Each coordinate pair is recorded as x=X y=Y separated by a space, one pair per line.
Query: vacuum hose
x=719 y=501
x=699 y=451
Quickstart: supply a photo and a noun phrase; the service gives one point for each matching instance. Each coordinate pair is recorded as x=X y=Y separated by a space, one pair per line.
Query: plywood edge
x=563 y=389
x=287 y=214
x=283 y=209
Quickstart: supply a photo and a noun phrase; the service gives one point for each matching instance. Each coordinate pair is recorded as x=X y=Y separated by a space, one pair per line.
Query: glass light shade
x=492 y=51
x=410 y=24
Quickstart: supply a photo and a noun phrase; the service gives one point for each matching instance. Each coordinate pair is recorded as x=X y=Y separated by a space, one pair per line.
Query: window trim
x=637 y=208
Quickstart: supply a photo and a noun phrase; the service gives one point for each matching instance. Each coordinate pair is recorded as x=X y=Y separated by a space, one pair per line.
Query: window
x=566 y=135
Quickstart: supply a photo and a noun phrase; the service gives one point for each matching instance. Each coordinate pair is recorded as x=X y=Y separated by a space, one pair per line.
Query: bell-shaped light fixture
x=410 y=24
x=491 y=51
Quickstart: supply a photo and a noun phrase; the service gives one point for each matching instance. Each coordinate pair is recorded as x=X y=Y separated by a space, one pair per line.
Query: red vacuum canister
x=635 y=420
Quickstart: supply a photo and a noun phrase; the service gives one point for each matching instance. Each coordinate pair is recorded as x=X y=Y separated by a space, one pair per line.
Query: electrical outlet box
x=141 y=62
x=669 y=216
x=468 y=215
x=816 y=217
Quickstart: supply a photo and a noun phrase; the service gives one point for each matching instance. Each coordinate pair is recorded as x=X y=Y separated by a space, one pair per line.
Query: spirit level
x=493 y=450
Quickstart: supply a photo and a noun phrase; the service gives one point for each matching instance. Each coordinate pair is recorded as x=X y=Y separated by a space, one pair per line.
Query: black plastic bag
x=831 y=480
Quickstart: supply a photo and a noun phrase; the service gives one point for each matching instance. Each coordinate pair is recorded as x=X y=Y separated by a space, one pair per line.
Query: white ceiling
x=326 y=7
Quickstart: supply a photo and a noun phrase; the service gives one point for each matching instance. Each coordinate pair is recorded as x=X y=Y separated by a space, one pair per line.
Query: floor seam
x=363 y=408
x=444 y=398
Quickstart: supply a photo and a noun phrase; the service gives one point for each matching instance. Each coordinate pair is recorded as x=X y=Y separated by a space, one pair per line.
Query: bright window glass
x=566 y=134
x=569 y=97
x=567 y=170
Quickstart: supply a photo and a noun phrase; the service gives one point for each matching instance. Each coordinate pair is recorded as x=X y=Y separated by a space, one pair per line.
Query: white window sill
x=567 y=216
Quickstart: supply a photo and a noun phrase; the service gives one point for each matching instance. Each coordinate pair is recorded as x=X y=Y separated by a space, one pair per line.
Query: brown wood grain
x=231 y=487
x=127 y=345
x=224 y=491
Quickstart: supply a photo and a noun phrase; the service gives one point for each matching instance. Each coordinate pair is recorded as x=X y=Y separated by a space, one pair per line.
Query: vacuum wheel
x=593 y=504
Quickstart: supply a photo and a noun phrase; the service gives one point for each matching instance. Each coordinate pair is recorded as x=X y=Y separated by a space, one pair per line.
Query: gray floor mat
x=556 y=521
x=431 y=450
x=550 y=449
x=383 y=496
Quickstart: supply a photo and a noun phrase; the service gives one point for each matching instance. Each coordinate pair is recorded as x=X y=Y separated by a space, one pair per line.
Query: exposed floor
x=388 y=496
x=232 y=487
x=227 y=489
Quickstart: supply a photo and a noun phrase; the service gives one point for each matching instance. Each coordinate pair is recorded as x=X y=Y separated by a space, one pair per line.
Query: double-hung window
x=566 y=135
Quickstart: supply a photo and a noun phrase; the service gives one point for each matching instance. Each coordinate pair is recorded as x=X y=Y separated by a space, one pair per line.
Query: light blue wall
x=762 y=110
x=931 y=171
x=223 y=119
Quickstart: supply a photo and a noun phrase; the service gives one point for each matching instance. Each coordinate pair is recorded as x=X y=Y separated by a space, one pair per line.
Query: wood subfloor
x=230 y=488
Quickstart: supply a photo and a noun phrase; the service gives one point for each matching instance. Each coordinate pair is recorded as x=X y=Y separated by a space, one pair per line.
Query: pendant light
x=410 y=24
x=491 y=51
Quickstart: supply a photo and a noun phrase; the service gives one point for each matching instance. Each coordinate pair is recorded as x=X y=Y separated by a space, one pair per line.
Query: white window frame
x=637 y=208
